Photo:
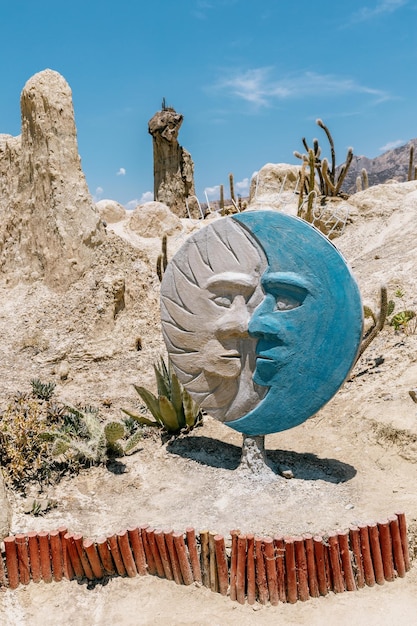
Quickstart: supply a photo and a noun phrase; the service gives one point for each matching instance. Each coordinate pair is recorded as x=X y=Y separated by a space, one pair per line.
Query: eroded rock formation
x=49 y=226
x=172 y=164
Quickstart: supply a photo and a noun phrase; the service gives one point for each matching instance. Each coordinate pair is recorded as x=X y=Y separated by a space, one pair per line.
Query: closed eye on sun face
x=226 y=286
x=224 y=301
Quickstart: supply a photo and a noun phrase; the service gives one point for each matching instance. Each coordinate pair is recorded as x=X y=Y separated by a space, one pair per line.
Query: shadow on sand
x=304 y=466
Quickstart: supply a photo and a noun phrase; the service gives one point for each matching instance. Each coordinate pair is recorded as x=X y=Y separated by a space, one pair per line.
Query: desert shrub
x=23 y=451
x=41 y=440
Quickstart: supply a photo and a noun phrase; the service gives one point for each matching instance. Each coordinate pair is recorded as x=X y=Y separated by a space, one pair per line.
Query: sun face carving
x=208 y=295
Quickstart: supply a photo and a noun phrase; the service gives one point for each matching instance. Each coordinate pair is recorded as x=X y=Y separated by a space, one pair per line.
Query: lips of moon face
x=208 y=295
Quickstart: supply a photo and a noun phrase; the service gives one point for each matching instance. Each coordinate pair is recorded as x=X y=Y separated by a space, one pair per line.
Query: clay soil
x=355 y=461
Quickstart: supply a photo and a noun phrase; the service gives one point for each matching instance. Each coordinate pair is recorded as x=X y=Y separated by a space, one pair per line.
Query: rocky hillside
x=391 y=166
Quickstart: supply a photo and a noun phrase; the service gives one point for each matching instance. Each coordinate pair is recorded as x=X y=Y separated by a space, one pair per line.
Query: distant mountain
x=392 y=165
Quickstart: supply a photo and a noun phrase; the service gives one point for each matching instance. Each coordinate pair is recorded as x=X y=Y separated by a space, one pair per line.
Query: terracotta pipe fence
x=246 y=567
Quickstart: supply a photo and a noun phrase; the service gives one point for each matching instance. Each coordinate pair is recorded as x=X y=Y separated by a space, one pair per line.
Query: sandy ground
x=356 y=460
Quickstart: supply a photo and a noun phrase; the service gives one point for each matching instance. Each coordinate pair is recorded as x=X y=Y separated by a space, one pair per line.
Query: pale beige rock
x=154 y=219
x=49 y=224
x=111 y=211
x=274 y=186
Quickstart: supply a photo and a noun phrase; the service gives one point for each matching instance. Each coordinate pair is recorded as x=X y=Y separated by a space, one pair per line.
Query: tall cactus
x=410 y=163
x=232 y=188
x=330 y=181
x=221 y=197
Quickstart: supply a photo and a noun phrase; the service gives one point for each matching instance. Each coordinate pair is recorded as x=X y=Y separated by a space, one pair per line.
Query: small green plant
x=401 y=321
x=43 y=391
x=378 y=321
x=84 y=438
x=173 y=409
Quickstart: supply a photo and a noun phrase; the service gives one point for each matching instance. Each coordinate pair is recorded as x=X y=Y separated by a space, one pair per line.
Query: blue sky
x=249 y=77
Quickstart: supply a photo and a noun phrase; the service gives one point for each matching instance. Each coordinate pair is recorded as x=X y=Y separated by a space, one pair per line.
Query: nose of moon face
x=263 y=324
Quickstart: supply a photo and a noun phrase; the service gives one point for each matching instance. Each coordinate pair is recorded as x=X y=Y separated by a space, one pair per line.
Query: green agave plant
x=174 y=409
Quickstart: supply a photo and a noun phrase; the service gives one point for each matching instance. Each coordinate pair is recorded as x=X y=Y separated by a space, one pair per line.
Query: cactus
x=221 y=197
x=307 y=185
x=330 y=183
x=173 y=409
x=232 y=188
x=378 y=321
x=364 y=178
x=83 y=437
x=410 y=163
x=162 y=260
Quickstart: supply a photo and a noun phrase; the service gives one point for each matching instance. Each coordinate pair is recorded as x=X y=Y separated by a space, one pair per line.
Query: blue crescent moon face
x=308 y=325
x=262 y=320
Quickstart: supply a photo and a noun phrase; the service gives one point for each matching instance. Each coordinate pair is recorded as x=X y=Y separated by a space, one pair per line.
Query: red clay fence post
x=301 y=565
x=355 y=543
x=335 y=563
x=34 y=558
x=404 y=539
x=105 y=556
x=193 y=552
x=291 y=571
x=250 y=569
x=280 y=565
x=214 y=579
x=22 y=558
x=45 y=556
x=241 y=569
x=320 y=565
x=260 y=571
x=117 y=557
x=397 y=549
x=11 y=562
x=175 y=564
x=368 y=568
x=313 y=585
x=271 y=570
x=163 y=553
x=138 y=550
x=376 y=553
x=233 y=563
x=56 y=555
x=126 y=553
x=386 y=550
x=93 y=558
x=222 y=566
x=346 y=559
x=184 y=562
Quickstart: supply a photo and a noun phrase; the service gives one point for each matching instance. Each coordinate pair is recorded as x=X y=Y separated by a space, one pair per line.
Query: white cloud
x=212 y=193
x=383 y=7
x=259 y=87
x=121 y=172
x=242 y=187
x=98 y=194
x=391 y=145
x=145 y=197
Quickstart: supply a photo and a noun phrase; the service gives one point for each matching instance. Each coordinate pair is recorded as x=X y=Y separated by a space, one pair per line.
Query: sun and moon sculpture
x=262 y=320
